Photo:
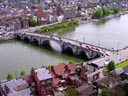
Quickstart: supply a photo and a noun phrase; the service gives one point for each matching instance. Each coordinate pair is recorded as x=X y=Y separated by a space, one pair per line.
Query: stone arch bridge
x=76 y=47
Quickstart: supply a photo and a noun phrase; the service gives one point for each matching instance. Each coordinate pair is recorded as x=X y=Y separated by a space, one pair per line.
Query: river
x=112 y=33
x=16 y=56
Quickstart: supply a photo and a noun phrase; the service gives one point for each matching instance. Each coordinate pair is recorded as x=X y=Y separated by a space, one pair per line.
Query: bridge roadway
x=73 y=42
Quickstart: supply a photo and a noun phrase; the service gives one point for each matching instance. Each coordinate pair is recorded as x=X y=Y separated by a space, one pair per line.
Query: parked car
x=98 y=49
x=107 y=53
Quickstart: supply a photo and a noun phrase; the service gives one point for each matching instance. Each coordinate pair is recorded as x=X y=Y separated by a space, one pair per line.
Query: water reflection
x=100 y=22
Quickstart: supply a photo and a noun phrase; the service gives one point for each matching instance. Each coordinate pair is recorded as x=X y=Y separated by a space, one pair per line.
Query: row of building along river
x=16 y=55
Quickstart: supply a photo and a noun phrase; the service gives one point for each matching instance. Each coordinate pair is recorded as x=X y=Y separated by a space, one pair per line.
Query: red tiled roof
x=72 y=67
x=40 y=13
x=61 y=70
x=28 y=78
x=55 y=80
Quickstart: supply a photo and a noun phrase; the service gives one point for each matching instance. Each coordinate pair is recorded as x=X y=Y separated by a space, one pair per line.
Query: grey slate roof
x=43 y=74
x=16 y=87
x=125 y=69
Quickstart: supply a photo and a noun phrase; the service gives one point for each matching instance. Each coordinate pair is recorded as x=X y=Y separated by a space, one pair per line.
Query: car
x=88 y=47
x=98 y=49
x=107 y=53
x=93 y=47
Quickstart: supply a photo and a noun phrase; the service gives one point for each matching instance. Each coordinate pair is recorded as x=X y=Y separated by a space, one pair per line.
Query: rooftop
x=16 y=87
x=43 y=74
x=86 y=90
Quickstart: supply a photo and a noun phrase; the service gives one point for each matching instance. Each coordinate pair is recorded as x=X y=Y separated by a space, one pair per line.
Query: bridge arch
x=18 y=37
x=82 y=54
x=68 y=50
x=45 y=42
x=35 y=41
x=26 y=39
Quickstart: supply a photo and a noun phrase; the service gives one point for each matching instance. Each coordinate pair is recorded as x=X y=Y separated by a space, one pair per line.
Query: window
x=42 y=83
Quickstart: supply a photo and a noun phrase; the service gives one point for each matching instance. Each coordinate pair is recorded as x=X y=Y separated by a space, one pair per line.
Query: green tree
x=70 y=62
x=22 y=73
x=9 y=76
x=97 y=14
x=106 y=12
x=70 y=92
x=111 y=66
x=32 y=22
x=104 y=92
x=49 y=67
x=116 y=10
x=20 y=17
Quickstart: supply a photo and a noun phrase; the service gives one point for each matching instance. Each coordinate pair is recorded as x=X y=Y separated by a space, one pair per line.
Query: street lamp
x=84 y=39
x=16 y=74
x=98 y=43
x=120 y=56
x=118 y=45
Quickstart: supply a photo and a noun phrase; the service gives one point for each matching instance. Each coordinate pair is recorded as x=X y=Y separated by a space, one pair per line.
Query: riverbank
x=110 y=17
x=52 y=28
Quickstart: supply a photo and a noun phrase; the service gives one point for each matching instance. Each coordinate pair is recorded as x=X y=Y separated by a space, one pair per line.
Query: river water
x=16 y=56
x=110 y=34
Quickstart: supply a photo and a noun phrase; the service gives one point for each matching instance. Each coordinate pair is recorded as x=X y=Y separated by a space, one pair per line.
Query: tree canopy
x=9 y=76
x=97 y=14
x=116 y=10
x=104 y=12
x=32 y=22
x=70 y=62
x=49 y=67
x=104 y=92
x=111 y=66
x=22 y=73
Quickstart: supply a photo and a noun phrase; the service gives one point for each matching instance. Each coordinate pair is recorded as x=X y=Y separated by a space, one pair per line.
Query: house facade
x=43 y=81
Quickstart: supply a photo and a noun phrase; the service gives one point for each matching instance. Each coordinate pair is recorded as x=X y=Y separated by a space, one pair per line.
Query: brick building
x=43 y=81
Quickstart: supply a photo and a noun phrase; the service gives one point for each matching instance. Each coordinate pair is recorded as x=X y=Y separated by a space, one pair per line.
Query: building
x=39 y=15
x=24 y=23
x=16 y=87
x=43 y=81
x=61 y=73
x=69 y=12
x=87 y=90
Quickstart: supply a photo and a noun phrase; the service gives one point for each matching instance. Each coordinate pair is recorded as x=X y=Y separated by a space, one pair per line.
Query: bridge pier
x=69 y=47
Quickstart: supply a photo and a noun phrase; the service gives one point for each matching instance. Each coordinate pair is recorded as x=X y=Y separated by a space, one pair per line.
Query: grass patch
x=120 y=65
x=52 y=28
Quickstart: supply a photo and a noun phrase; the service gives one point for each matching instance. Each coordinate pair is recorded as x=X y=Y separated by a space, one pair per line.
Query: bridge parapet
x=82 y=45
x=75 y=46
